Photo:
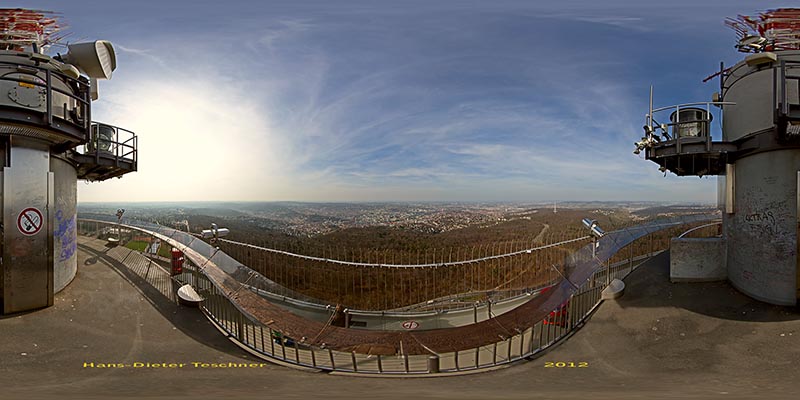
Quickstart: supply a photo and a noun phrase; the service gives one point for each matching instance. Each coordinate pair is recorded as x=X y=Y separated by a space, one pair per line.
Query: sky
x=523 y=101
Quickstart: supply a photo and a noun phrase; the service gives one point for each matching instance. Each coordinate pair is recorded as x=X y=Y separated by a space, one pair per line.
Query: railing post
x=530 y=343
x=272 y=341
x=239 y=324
x=333 y=363
x=380 y=364
x=433 y=364
x=571 y=315
x=630 y=258
x=541 y=331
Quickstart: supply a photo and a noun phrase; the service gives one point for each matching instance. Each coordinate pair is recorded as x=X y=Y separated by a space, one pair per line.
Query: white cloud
x=308 y=108
x=198 y=139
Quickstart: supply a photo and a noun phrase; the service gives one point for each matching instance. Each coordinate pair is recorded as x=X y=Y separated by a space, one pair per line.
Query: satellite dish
x=96 y=59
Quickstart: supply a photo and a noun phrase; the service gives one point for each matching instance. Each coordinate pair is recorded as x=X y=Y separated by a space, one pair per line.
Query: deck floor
x=660 y=340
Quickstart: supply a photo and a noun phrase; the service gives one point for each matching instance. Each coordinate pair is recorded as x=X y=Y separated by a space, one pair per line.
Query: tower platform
x=660 y=340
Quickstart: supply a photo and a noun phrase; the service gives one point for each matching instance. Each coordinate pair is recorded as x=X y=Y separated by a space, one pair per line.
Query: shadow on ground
x=164 y=301
x=651 y=288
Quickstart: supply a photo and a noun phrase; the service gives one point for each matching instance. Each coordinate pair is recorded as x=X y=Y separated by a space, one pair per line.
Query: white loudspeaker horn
x=96 y=59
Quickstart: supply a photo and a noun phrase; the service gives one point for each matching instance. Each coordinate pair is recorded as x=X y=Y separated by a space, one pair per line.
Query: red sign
x=410 y=325
x=29 y=221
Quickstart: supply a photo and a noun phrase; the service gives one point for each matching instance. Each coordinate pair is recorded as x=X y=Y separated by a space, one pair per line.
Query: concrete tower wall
x=762 y=231
x=65 y=242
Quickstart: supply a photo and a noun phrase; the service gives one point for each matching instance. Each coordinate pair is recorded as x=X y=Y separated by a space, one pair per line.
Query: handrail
x=700 y=103
x=700 y=227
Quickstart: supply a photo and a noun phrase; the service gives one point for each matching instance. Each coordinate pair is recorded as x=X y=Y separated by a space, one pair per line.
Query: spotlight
x=96 y=59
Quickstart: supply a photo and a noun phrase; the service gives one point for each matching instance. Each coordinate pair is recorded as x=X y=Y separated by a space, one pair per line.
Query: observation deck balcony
x=110 y=152
x=685 y=146
x=763 y=116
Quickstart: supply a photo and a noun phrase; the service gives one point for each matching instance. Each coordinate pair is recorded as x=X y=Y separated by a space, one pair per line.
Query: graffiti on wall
x=762 y=223
x=66 y=235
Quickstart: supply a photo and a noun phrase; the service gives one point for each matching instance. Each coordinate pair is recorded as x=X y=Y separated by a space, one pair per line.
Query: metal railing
x=383 y=286
x=572 y=301
x=703 y=230
x=109 y=141
x=704 y=135
x=78 y=118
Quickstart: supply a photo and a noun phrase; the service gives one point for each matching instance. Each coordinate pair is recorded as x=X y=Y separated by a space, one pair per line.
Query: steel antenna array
x=21 y=28
x=770 y=30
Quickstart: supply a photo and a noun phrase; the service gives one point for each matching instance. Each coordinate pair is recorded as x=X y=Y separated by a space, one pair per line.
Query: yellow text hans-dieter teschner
x=194 y=364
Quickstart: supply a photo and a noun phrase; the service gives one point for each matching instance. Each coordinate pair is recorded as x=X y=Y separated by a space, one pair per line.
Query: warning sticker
x=30 y=221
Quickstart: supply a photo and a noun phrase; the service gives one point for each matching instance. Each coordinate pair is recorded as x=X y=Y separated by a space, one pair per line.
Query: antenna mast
x=770 y=30
x=35 y=29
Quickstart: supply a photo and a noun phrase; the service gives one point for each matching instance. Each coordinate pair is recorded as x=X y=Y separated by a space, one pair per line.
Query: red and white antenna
x=770 y=30
x=21 y=28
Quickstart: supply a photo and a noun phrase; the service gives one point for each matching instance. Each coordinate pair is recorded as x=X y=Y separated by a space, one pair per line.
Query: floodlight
x=102 y=137
x=96 y=59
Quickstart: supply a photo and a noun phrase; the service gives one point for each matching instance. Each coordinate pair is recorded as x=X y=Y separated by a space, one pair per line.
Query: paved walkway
x=659 y=341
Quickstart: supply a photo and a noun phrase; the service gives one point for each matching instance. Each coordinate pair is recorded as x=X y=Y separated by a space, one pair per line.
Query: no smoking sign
x=29 y=221
x=410 y=325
